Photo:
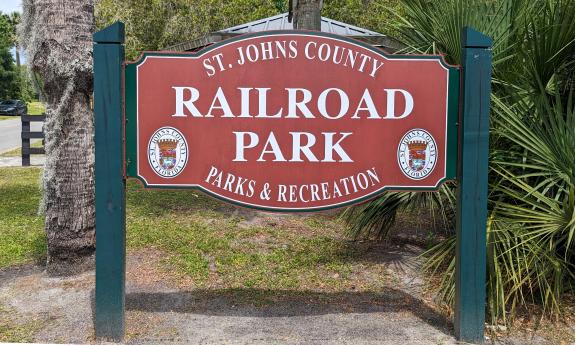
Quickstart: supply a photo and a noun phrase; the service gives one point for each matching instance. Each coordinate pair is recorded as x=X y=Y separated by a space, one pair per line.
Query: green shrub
x=531 y=204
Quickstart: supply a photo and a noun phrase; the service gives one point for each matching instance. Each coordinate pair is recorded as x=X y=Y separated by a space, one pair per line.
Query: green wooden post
x=472 y=191
x=110 y=183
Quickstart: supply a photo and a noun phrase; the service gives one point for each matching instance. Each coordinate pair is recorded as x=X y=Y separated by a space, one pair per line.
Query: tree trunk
x=307 y=14
x=17 y=57
x=21 y=76
x=57 y=36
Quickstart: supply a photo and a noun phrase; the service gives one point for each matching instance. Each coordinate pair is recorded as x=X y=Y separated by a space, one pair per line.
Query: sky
x=9 y=6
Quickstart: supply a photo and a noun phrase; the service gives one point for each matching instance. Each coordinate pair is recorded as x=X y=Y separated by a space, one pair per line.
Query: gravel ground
x=161 y=311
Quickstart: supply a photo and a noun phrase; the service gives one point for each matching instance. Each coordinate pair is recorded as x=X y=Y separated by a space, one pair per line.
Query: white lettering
x=241 y=146
x=297 y=147
x=369 y=106
x=322 y=103
x=294 y=104
x=223 y=105
x=275 y=149
x=189 y=104
x=330 y=146
x=391 y=103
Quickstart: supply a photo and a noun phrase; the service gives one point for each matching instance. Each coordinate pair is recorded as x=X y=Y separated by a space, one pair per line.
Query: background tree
x=9 y=87
x=5 y=31
x=15 y=82
x=57 y=37
x=375 y=15
x=14 y=20
x=305 y=14
x=157 y=24
x=23 y=80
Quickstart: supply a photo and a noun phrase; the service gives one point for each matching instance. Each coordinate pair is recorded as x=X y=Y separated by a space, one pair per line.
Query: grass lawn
x=259 y=259
x=22 y=238
x=211 y=244
x=203 y=241
x=36 y=108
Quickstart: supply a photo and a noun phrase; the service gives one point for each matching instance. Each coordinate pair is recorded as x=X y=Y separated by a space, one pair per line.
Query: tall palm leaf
x=531 y=227
x=376 y=218
x=531 y=201
x=435 y=27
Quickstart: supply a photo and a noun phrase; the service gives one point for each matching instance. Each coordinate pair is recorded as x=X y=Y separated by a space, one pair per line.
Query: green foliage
x=536 y=197
x=9 y=86
x=36 y=108
x=281 y=5
x=434 y=27
x=14 y=81
x=531 y=221
x=373 y=15
x=157 y=24
x=13 y=21
x=375 y=219
x=27 y=93
x=8 y=24
x=549 y=44
x=5 y=31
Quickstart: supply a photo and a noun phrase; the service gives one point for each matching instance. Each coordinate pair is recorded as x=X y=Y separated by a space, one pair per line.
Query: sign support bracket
x=110 y=184
x=472 y=188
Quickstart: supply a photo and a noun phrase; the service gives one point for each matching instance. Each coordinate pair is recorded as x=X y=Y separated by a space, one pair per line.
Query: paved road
x=10 y=133
x=35 y=160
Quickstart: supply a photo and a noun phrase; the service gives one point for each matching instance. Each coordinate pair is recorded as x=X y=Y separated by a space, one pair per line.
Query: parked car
x=13 y=107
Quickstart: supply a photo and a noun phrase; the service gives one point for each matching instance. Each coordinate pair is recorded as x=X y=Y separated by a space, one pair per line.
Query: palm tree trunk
x=307 y=14
x=57 y=36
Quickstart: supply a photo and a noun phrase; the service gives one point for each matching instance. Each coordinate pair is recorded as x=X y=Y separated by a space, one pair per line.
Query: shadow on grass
x=163 y=201
x=246 y=302
x=8 y=274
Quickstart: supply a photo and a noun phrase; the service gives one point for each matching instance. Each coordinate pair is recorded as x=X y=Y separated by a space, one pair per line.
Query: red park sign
x=291 y=121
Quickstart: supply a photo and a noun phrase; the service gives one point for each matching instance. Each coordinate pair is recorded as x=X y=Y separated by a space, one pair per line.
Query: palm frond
x=531 y=224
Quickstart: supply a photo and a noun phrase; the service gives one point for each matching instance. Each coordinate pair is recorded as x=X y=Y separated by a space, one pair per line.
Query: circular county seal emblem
x=167 y=152
x=417 y=153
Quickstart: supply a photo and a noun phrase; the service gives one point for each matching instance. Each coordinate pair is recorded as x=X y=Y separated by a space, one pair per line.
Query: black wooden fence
x=27 y=135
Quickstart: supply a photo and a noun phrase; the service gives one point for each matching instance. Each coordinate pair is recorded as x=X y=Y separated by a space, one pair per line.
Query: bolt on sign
x=291 y=121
